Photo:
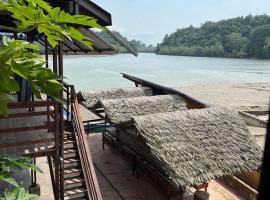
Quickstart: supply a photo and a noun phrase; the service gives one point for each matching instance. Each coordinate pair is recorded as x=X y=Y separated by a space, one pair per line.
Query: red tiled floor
x=117 y=183
x=220 y=192
x=118 y=173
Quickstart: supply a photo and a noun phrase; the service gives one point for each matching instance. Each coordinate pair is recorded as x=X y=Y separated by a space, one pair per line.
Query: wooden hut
x=179 y=141
x=45 y=131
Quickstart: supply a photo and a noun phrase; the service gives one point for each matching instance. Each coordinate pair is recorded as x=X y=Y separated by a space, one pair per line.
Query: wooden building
x=40 y=128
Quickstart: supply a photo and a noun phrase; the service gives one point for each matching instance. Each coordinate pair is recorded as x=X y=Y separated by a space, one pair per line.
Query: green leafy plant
x=53 y=22
x=19 y=193
x=18 y=163
x=16 y=56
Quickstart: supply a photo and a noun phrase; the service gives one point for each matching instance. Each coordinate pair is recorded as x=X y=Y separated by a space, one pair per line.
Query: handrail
x=22 y=111
x=83 y=148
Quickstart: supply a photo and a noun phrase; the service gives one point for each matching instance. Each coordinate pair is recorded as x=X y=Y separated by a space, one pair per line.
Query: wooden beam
x=119 y=40
x=192 y=102
x=27 y=142
x=30 y=128
x=17 y=105
x=93 y=10
x=27 y=114
x=55 y=64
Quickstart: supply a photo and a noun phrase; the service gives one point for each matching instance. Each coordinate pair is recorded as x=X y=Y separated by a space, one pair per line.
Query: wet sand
x=249 y=96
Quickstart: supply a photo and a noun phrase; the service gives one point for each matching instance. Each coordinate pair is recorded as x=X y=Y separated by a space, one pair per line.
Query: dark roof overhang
x=100 y=46
x=84 y=7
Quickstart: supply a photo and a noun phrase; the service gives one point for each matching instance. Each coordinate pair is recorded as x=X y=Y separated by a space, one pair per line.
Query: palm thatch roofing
x=121 y=111
x=91 y=98
x=196 y=146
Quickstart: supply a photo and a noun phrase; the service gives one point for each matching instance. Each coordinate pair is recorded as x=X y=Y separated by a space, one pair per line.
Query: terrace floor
x=117 y=182
x=115 y=178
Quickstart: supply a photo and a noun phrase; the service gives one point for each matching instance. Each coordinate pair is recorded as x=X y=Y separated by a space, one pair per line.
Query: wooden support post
x=46 y=52
x=52 y=174
x=76 y=7
x=57 y=155
x=61 y=111
x=55 y=67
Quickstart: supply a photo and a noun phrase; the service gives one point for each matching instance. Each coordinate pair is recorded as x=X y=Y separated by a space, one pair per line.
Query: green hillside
x=237 y=37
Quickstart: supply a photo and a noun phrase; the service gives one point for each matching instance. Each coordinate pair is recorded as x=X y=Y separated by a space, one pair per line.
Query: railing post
x=61 y=111
x=68 y=103
x=52 y=175
x=57 y=166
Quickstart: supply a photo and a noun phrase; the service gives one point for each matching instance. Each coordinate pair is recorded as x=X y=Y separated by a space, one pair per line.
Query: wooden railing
x=19 y=112
x=74 y=116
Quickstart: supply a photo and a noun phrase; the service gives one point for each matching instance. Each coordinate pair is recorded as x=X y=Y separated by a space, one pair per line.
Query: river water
x=93 y=72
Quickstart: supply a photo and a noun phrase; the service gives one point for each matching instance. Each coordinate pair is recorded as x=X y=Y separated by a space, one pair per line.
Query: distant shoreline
x=106 y=55
x=253 y=58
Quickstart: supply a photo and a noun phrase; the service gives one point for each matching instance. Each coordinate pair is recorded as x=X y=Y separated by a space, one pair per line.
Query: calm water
x=90 y=72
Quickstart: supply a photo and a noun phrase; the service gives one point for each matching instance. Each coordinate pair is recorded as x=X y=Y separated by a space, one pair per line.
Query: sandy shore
x=249 y=96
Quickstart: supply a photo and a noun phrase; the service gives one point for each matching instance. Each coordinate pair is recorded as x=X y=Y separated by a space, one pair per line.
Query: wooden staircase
x=77 y=174
x=74 y=180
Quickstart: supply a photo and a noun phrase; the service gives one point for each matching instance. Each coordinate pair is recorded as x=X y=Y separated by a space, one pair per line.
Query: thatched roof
x=91 y=98
x=120 y=111
x=196 y=146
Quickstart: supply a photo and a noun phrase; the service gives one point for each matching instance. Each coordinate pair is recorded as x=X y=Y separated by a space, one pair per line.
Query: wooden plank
x=27 y=142
x=27 y=114
x=192 y=102
x=14 y=105
x=31 y=128
x=92 y=9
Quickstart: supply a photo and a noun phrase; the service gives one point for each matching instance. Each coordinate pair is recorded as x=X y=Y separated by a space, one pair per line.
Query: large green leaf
x=3 y=103
x=5 y=176
x=17 y=162
x=15 y=58
x=15 y=55
x=8 y=84
x=53 y=22
x=19 y=194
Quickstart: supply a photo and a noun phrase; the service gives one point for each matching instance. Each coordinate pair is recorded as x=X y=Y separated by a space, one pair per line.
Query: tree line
x=239 y=37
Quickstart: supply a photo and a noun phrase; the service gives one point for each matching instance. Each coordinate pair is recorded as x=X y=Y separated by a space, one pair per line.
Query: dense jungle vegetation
x=240 y=37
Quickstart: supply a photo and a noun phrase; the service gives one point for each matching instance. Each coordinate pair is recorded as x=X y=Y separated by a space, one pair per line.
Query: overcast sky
x=150 y=20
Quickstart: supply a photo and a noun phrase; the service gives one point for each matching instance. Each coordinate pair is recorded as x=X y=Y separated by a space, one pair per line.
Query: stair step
x=71 y=152
x=74 y=183
x=73 y=194
x=72 y=172
x=68 y=143
x=69 y=132
x=69 y=136
x=71 y=162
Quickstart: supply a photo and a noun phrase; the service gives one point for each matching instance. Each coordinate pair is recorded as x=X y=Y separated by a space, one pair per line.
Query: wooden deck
x=26 y=133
